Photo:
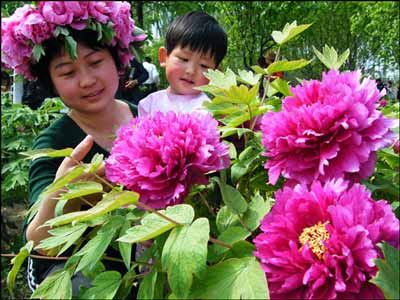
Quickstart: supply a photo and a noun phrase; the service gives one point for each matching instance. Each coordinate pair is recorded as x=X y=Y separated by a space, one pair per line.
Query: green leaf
x=231 y=236
x=220 y=79
x=108 y=32
x=258 y=208
x=79 y=189
x=232 y=279
x=241 y=249
x=46 y=152
x=109 y=202
x=246 y=158
x=153 y=225
x=61 y=30
x=56 y=286
x=284 y=65
x=37 y=52
x=17 y=263
x=126 y=284
x=71 y=47
x=232 y=197
x=281 y=86
x=288 y=32
x=185 y=255
x=105 y=286
x=124 y=248
x=96 y=162
x=92 y=252
x=248 y=77
x=151 y=286
x=387 y=278
x=226 y=218
x=65 y=235
x=63 y=180
x=329 y=57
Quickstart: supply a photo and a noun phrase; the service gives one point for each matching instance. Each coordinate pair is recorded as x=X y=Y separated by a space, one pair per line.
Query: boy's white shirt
x=165 y=101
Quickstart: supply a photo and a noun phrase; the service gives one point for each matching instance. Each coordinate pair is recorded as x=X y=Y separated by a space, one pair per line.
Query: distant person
x=390 y=91
x=135 y=75
x=380 y=84
x=151 y=84
x=195 y=42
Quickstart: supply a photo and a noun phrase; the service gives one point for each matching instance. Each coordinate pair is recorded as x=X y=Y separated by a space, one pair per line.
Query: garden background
x=370 y=30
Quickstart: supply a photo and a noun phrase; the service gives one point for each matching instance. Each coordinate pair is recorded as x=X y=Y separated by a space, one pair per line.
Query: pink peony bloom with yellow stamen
x=319 y=242
x=327 y=129
x=162 y=156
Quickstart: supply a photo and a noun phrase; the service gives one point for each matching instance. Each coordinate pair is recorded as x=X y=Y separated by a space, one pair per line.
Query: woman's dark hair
x=54 y=47
x=201 y=32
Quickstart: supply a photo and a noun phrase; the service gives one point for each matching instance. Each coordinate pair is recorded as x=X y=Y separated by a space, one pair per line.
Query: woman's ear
x=162 y=56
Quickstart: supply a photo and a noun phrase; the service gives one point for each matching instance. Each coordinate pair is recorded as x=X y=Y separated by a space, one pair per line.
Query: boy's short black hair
x=200 y=32
x=54 y=47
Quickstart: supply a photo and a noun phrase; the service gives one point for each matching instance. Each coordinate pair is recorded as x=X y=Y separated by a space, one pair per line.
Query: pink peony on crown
x=23 y=33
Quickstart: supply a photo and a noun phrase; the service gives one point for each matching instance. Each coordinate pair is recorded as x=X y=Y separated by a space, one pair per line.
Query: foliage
x=19 y=127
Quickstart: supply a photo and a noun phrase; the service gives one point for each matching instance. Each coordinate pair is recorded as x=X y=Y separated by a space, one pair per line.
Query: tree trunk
x=139 y=13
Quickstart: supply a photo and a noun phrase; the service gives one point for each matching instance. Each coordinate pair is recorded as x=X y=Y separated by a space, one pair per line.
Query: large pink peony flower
x=320 y=242
x=327 y=129
x=162 y=156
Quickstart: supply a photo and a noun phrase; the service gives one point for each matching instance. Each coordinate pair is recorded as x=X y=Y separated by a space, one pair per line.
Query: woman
x=81 y=66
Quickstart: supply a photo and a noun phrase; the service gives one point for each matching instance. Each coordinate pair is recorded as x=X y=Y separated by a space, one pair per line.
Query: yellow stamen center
x=315 y=235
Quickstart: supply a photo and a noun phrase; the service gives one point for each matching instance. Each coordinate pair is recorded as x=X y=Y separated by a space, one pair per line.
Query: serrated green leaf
x=126 y=284
x=153 y=225
x=185 y=255
x=220 y=79
x=109 y=202
x=246 y=158
x=46 y=152
x=259 y=70
x=258 y=208
x=104 y=286
x=241 y=249
x=232 y=197
x=284 y=65
x=228 y=131
x=223 y=108
x=248 y=77
x=231 y=236
x=92 y=252
x=329 y=57
x=17 y=263
x=289 y=32
x=79 y=189
x=61 y=30
x=58 y=285
x=66 y=235
x=109 y=32
x=387 y=278
x=232 y=279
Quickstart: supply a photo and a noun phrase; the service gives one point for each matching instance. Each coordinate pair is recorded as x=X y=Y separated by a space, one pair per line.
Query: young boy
x=194 y=43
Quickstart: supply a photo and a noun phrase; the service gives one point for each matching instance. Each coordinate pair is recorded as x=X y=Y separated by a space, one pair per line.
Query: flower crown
x=23 y=33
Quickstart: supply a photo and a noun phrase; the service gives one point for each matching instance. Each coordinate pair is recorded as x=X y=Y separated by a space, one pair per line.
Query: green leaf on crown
x=185 y=254
x=71 y=47
x=37 y=52
x=289 y=32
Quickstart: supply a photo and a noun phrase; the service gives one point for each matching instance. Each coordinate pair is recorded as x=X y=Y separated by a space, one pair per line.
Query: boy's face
x=185 y=69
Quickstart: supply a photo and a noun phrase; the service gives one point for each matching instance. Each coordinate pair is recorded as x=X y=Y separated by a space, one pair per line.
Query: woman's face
x=87 y=84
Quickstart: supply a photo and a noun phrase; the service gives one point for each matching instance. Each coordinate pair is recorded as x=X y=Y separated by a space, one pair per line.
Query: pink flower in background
x=162 y=156
x=327 y=129
x=123 y=23
x=382 y=103
x=100 y=10
x=320 y=242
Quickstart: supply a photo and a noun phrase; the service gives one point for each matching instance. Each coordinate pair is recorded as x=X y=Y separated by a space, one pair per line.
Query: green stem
x=204 y=200
x=221 y=243
x=148 y=208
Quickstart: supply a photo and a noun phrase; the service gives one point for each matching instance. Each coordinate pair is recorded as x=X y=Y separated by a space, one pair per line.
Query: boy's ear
x=162 y=56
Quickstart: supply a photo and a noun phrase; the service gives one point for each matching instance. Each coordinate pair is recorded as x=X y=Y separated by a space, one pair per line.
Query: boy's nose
x=190 y=69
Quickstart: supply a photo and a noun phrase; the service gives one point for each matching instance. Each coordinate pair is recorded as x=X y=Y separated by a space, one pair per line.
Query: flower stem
x=221 y=243
x=148 y=208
